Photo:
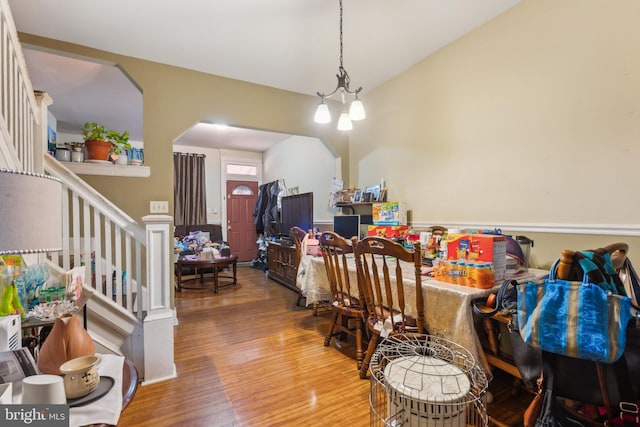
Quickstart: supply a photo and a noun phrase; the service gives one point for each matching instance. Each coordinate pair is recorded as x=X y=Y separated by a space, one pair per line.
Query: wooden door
x=241 y=231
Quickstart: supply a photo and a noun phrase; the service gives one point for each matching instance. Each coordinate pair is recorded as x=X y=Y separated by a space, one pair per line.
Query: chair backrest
x=297 y=234
x=608 y=260
x=334 y=252
x=390 y=276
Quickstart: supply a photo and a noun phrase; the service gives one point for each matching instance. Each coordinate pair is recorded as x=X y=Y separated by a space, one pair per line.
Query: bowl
x=80 y=376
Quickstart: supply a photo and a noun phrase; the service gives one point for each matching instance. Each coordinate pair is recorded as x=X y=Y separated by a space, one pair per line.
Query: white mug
x=43 y=390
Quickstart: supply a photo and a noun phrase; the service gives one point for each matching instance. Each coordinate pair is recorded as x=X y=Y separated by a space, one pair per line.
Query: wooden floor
x=249 y=356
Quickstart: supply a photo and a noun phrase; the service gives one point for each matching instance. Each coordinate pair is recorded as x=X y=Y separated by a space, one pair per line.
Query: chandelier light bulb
x=322 y=113
x=356 y=111
x=344 y=123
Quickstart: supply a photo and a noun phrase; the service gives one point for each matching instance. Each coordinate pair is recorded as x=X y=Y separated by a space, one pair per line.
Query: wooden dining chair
x=390 y=276
x=347 y=299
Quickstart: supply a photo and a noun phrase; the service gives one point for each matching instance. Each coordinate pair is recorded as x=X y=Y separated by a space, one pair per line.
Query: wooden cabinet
x=283 y=264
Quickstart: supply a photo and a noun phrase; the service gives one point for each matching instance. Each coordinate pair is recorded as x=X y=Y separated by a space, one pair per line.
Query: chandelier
x=356 y=110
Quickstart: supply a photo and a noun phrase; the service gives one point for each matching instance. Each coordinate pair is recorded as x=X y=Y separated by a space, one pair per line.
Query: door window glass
x=242 y=190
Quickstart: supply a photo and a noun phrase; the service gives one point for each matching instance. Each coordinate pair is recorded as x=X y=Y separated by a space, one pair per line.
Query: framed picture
x=382 y=197
x=374 y=190
x=357 y=196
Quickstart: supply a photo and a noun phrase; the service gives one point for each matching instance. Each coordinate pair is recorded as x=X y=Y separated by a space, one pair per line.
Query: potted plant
x=95 y=140
x=120 y=146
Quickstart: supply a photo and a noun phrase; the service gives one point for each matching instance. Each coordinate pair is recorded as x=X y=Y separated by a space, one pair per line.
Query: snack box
x=480 y=247
x=389 y=213
x=388 y=231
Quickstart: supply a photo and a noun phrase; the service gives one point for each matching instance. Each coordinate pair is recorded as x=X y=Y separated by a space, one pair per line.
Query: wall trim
x=595 y=229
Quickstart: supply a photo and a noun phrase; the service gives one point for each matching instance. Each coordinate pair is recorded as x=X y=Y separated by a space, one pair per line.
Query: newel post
x=159 y=322
x=41 y=131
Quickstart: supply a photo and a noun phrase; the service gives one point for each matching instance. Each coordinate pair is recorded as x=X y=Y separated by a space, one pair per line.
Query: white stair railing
x=100 y=236
x=18 y=108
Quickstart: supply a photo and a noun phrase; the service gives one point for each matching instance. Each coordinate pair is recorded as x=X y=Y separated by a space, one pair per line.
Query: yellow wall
x=174 y=100
x=531 y=120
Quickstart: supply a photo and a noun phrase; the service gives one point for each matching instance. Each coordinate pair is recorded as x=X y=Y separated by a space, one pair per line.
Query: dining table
x=447 y=306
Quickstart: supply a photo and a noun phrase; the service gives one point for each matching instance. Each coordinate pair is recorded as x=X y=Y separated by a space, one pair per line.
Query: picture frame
x=382 y=197
x=374 y=190
x=357 y=196
x=367 y=197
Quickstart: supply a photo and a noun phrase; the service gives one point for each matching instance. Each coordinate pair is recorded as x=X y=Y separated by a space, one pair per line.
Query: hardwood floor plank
x=249 y=356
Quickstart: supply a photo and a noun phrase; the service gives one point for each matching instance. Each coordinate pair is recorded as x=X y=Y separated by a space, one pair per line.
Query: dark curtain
x=189 y=195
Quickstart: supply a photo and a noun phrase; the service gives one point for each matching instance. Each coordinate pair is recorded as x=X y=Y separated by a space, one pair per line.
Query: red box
x=480 y=247
x=388 y=231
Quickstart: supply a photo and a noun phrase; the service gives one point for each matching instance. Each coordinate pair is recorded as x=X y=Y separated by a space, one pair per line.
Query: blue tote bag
x=572 y=318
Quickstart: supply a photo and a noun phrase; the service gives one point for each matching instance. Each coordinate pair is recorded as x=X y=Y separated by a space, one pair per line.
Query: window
x=246 y=170
x=242 y=190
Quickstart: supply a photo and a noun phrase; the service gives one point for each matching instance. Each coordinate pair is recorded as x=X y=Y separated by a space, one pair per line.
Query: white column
x=160 y=320
x=41 y=131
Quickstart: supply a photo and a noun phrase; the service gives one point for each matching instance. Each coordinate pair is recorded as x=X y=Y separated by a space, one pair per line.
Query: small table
x=214 y=264
x=129 y=386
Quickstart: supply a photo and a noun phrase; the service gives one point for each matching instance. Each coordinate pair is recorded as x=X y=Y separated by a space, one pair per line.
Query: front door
x=241 y=231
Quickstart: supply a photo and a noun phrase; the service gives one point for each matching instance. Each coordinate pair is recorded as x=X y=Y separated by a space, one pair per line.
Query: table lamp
x=30 y=223
x=30 y=213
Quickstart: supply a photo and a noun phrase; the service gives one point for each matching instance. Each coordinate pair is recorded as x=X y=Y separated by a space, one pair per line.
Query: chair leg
x=359 y=354
x=327 y=340
x=373 y=343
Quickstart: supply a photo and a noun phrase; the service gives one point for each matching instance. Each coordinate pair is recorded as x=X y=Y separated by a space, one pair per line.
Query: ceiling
x=286 y=44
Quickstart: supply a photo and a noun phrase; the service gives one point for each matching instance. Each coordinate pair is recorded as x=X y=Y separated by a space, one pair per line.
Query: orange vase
x=67 y=340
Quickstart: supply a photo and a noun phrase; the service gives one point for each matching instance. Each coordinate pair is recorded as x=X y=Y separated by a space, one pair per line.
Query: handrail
x=103 y=237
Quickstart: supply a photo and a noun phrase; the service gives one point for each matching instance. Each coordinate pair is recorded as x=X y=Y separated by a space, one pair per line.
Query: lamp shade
x=356 y=111
x=30 y=213
x=322 y=113
x=344 y=122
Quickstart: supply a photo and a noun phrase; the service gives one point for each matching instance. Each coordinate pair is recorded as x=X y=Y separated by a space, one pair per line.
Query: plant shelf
x=108 y=169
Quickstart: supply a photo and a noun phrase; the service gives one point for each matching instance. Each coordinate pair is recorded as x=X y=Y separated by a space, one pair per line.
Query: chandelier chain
x=341 y=67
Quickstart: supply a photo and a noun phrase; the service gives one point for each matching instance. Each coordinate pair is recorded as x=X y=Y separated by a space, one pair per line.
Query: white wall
x=308 y=164
x=64 y=137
